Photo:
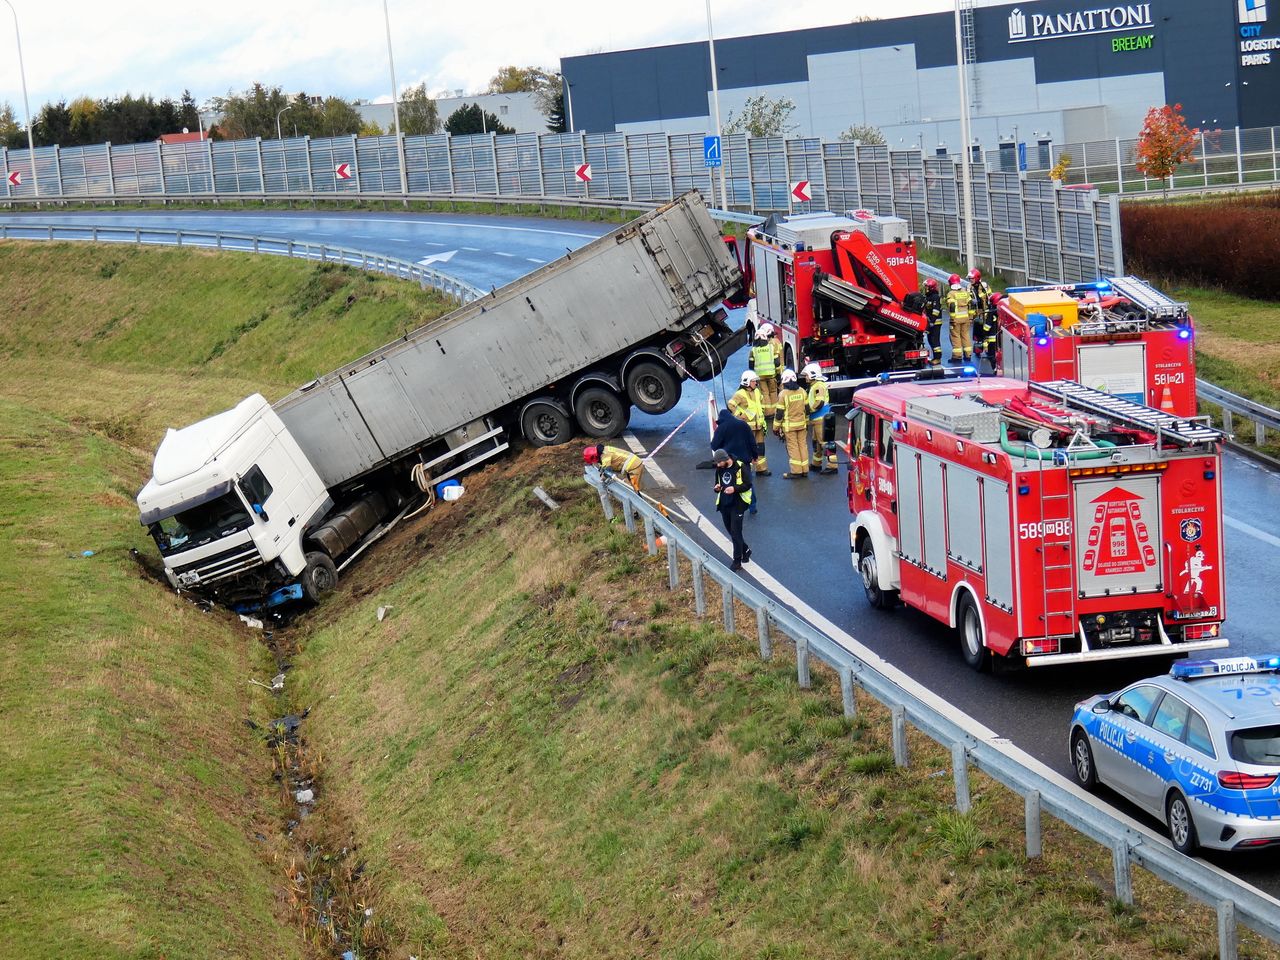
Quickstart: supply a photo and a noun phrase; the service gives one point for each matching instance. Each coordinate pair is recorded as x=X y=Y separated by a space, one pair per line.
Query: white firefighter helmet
x=749 y=378
x=812 y=371
x=788 y=376
x=764 y=331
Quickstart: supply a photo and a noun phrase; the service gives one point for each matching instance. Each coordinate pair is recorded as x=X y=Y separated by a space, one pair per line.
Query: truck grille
x=220 y=566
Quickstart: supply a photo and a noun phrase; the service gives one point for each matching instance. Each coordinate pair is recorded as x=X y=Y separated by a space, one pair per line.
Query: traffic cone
x=661 y=541
x=1166 y=401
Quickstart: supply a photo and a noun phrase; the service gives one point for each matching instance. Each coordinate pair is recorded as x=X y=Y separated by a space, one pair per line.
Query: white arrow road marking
x=437 y=258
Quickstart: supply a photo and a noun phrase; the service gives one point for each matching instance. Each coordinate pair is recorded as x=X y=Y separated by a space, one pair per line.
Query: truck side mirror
x=257 y=508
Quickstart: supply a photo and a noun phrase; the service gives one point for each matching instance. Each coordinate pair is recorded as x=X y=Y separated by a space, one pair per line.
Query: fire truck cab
x=841 y=291
x=1049 y=522
x=1119 y=335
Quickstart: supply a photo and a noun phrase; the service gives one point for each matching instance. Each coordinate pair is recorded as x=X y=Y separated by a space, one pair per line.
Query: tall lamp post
x=966 y=154
x=715 y=97
x=395 y=102
x=31 y=142
x=278 y=113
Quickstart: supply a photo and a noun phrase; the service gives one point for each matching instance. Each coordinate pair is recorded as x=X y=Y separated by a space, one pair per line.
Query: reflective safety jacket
x=766 y=358
x=958 y=303
x=819 y=400
x=748 y=405
x=933 y=306
x=980 y=293
x=619 y=460
x=793 y=408
x=737 y=476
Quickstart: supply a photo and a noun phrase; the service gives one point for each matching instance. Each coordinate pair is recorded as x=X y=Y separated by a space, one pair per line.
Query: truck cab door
x=862 y=459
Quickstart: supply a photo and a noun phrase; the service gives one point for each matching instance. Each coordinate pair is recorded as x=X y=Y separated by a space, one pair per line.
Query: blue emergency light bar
x=1190 y=669
x=1091 y=286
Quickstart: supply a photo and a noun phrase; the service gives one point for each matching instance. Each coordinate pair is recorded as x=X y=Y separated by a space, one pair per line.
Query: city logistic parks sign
x=1255 y=49
x=1079 y=23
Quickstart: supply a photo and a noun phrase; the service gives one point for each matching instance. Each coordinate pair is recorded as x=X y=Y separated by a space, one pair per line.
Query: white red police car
x=1199 y=748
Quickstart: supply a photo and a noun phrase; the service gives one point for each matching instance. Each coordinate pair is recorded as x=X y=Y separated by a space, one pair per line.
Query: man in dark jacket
x=736 y=437
x=733 y=497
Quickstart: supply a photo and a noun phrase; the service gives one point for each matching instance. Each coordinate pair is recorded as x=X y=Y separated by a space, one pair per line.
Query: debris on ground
x=252 y=622
x=382 y=613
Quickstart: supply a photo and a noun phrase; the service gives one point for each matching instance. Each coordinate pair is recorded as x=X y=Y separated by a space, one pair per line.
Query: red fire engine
x=1118 y=335
x=841 y=291
x=1049 y=522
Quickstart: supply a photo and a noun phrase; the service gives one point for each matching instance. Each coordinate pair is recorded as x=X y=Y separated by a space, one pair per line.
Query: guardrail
x=1264 y=418
x=969 y=742
x=459 y=290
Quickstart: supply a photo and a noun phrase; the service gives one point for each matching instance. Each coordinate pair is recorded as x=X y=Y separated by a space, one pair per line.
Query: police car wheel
x=972 y=646
x=1082 y=761
x=878 y=598
x=1182 y=829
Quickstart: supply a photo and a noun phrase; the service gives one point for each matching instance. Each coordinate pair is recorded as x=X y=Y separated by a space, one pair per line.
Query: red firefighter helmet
x=975 y=275
x=931 y=284
x=996 y=298
x=591 y=454
x=954 y=278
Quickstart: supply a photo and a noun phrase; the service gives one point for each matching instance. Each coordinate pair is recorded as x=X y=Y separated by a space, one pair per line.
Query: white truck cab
x=229 y=494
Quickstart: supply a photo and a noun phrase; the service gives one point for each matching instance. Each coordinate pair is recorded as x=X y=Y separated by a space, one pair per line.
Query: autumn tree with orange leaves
x=1164 y=143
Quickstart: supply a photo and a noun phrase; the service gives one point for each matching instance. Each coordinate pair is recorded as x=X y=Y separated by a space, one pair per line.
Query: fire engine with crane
x=1119 y=335
x=841 y=291
x=1049 y=523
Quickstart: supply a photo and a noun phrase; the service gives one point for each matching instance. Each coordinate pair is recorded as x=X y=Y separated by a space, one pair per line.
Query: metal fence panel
x=186 y=166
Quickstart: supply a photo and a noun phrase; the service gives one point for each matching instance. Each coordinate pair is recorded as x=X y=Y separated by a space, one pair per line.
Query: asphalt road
x=801 y=533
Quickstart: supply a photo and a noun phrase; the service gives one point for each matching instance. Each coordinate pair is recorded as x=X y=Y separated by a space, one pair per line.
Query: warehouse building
x=1043 y=71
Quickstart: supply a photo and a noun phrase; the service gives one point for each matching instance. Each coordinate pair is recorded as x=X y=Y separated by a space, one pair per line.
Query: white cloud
x=338 y=47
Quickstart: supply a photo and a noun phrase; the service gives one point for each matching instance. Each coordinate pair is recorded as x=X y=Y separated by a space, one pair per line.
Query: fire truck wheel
x=1082 y=760
x=652 y=387
x=975 y=651
x=320 y=577
x=878 y=598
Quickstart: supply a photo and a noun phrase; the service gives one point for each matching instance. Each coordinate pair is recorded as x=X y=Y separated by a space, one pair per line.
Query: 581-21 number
x=1168 y=379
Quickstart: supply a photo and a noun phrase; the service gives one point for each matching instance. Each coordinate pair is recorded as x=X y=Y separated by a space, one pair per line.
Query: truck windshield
x=201 y=524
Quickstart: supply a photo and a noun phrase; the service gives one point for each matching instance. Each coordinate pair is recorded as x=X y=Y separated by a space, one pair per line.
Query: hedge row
x=1229 y=244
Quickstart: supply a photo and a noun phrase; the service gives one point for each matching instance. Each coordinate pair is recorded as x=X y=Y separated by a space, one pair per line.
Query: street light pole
x=715 y=96
x=966 y=154
x=569 y=99
x=26 y=104
x=395 y=102
x=279 y=136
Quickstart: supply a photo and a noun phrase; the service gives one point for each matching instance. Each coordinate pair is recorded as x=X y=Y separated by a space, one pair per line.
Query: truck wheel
x=544 y=424
x=320 y=577
x=975 y=651
x=652 y=387
x=878 y=598
x=600 y=412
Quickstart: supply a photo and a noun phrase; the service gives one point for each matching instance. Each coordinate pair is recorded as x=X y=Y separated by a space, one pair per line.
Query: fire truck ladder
x=1158 y=305
x=1180 y=431
x=858 y=300
x=1058 y=576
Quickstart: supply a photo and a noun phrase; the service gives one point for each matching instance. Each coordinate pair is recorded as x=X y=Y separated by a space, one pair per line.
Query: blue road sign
x=711 y=152
x=1022 y=156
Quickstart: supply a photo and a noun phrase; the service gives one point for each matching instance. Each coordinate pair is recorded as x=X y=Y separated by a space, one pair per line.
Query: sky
x=76 y=48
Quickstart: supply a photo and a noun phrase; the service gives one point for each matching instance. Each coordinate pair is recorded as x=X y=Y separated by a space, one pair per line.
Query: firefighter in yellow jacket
x=959 y=306
x=747 y=404
x=765 y=362
x=791 y=422
x=822 y=422
x=622 y=462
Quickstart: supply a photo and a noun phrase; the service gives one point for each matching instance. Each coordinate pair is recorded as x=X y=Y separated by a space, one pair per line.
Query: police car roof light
x=1190 y=669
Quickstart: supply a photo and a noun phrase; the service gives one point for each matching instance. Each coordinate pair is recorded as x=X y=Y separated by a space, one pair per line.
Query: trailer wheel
x=600 y=412
x=975 y=651
x=652 y=387
x=879 y=598
x=320 y=576
x=544 y=424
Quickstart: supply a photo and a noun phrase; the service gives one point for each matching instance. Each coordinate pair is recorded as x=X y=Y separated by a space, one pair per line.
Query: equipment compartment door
x=1117 y=536
x=1116 y=368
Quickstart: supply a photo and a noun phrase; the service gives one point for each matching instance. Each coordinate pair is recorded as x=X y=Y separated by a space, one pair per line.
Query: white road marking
x=1252 y=531
x=652 y=467
x=399 y=240
x=472 y=249
x=499 y=253
x=535 y=260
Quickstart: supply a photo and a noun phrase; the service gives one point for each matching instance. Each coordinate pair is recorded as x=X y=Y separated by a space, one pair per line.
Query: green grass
x=131 y=790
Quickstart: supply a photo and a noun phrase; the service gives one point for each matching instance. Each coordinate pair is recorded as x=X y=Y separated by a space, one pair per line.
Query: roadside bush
x=1229 y=244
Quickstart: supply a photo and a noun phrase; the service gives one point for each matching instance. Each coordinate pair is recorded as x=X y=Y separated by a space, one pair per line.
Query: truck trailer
x=1049 y=523
x=265 y=503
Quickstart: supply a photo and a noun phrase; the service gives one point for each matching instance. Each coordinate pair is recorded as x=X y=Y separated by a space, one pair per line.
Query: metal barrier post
x=1124 y=880
x=650 y=540
x=1034 y=845
x=960 y=774
x=762 y=634
x=802 y=664
x=605 y=505
x=899 y=714
x=1226 y=421
x=673 y=565
x=629 y=516
x=726 y=597
x=1259 y=432
x=1228 y=933
x=847 y=697
x=699 y=590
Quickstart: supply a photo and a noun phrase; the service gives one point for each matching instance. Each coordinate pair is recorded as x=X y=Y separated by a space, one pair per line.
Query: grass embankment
x=545 y=755
x=131 y=789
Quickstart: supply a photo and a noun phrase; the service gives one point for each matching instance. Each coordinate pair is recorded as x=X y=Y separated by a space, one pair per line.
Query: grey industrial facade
x=1047 y=70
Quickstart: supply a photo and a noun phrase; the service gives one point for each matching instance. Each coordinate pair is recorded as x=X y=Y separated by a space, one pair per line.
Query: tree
x=1059 y=170
x=336 y=118
x=11 y=133
x=471 y=119
x=554 y=111
x=419 y=115
x=1164 y=143
x=863 y=133
x=370 y=128
x=762 y=117
x=53 y=124
x=521 y=80
x=253 y=113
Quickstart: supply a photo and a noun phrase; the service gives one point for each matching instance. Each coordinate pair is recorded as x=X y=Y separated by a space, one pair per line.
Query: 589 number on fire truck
x=1044 y=528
